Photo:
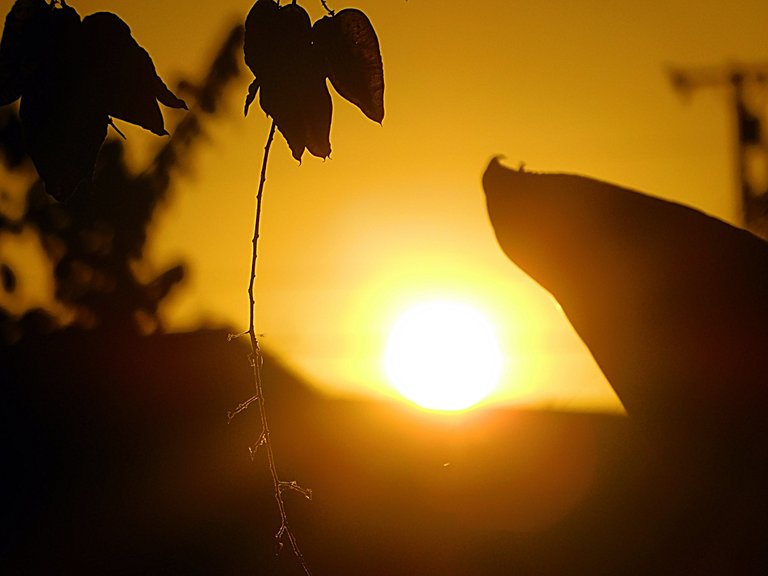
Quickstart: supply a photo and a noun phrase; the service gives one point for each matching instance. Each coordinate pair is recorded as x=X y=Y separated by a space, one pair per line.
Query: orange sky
x=398 y=214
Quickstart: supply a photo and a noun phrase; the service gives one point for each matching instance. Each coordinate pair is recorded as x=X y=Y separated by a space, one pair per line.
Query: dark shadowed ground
x=118 y=459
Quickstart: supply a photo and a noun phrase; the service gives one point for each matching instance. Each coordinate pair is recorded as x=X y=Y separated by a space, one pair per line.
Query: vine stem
x=256 y=361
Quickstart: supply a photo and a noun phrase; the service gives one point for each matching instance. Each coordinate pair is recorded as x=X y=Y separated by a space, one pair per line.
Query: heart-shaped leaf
x=288 y=73
x=350 y=49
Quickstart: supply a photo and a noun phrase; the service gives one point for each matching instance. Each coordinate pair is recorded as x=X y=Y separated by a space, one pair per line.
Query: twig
x=256 y=362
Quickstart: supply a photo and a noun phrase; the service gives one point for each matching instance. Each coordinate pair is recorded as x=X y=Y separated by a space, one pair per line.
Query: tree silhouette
x=96 y=237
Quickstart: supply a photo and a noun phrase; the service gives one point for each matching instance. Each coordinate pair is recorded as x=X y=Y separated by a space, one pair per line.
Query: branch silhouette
x=291 y=59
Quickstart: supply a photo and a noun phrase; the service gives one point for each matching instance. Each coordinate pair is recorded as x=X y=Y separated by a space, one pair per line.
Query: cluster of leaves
x=95 y=242
x=291 y=59
x=73 y=76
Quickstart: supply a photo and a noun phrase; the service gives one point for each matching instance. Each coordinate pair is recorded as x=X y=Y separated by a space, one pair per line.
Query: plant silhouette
x=73 y=77
x=290 y=60
x=96 y=239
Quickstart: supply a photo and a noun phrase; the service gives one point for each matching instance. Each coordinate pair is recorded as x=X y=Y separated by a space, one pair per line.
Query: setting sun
x=443 y=355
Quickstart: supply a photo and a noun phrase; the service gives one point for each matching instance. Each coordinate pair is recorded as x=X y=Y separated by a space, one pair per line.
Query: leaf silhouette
x=259 y=38
x=71 y=77
x=64 y=124
x=350 y=49
x=22 y=47
x=123 y=73
x=258 y=41
x=289 y=73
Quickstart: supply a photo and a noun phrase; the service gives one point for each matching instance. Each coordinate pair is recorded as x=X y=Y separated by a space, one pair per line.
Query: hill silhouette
x=118 y=460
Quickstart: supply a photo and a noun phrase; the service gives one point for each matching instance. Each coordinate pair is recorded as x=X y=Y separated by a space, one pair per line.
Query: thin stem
x=330 y=12
x=256 y=362
x=255 y=240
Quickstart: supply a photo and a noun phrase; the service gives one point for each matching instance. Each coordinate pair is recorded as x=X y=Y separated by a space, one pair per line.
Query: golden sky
x=397 y=214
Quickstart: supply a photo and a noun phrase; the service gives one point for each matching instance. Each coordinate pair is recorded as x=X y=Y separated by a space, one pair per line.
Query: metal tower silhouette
x=747 y=86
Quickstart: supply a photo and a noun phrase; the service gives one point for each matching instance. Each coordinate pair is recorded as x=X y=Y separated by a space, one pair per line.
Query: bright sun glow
x=443 y=355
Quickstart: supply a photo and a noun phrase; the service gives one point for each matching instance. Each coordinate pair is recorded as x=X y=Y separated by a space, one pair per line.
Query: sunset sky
x=397 y=215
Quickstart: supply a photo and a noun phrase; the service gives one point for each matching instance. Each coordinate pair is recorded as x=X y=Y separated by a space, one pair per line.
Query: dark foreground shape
x=672 y=304
x=118 y=459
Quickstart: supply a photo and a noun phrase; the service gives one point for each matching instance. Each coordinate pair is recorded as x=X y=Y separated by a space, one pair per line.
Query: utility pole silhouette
x=747 y=87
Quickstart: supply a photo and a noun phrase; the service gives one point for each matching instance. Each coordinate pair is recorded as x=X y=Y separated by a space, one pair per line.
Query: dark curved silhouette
x=671 y=303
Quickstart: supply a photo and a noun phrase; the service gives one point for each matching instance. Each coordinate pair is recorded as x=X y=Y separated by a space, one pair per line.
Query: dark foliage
x=72 y=78
x=96 y=239
x=291 y=59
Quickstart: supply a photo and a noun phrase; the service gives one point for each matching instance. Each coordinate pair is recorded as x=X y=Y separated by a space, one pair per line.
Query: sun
x=443 y=355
